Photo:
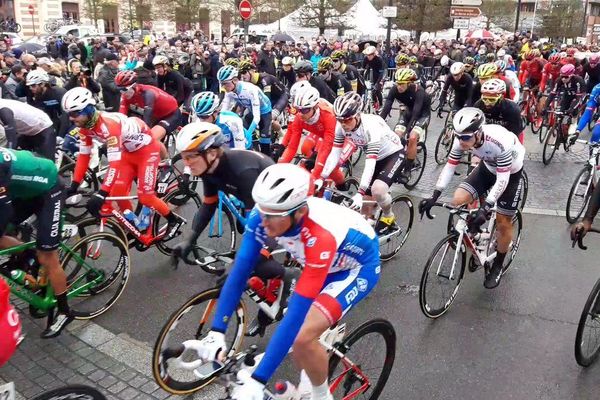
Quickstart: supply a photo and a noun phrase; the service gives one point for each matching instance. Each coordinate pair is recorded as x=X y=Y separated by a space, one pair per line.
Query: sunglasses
x=345 y=120
x=74 y=114
x=304 y=110
x=563 y=77
x=490 y=100
x=269 y=214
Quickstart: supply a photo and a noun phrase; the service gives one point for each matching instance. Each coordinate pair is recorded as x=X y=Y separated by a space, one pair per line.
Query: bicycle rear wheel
x=101 y=257
x=551 y=143
x=404 y=211
x=442 y=276
x=443 y=146
x=355 y=372
x=72 y=392
x=587 y=339
x=192 y=321
x=523 y=190
x=579 y=195
x=418 y=167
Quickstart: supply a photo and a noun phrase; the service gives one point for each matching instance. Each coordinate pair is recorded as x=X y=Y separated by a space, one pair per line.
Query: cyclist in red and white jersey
x=551 y=72
x=132 y=152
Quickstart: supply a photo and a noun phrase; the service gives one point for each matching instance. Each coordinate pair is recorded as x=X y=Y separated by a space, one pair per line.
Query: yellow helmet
x=325 y=64
x=402 y=59
x=245 y=66
x=234 y=62
x=487 y=71
x=405 y=75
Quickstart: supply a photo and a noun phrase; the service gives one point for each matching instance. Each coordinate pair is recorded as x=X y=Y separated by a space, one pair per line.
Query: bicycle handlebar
x=453 y=209
x=579 y=238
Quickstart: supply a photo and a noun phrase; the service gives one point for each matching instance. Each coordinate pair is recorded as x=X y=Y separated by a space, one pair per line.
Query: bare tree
x=563 y=19
x=325 y=14
x=499 y=12
x=423 y=15
x=94 y=9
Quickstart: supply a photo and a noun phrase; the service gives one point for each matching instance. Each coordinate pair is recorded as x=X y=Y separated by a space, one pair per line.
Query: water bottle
x=23 y=278
x=144 y=218
x=131 y=217
x=286 y=391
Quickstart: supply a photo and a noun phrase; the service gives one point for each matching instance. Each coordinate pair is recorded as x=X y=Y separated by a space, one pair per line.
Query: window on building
x=595 y=10
x=527 y=7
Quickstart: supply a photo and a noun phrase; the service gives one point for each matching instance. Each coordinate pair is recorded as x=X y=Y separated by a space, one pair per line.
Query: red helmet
x=594 y=59
x=554 y=58
x=126 y=78
x=529 y=55
x=571 y=51
x=567 y=70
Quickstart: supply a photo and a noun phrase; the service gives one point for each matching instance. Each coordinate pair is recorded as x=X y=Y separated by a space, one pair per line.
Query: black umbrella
x=363 y=44
x=30 y=47
x=282 y=37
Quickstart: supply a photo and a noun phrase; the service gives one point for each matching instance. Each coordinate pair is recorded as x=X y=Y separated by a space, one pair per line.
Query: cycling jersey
x=592 y=104
x=593 y=74
x=501 y=153
x=27 y=127
x=374 y=136
x=463 y=90
x=249 y=97
x=325 y=91
x=354 y=77
x=338 y=84
x=414 y=98
x=550 y=73
x=273 y=89
x=505 y=113
x=149 y=101
x=232 y=127
x=340 y=254
x=49 y=102
x=572 y=91
x=376 y=67
x=288 y=78
x=510 y=93
x=24 y=175
x=533 y=73
x=10 y=325
x=513 y=80
x=176 y=85
x=322 y=125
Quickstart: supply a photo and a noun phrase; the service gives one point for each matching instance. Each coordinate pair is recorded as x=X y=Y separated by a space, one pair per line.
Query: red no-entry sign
x=245 y=9
x=30 y=9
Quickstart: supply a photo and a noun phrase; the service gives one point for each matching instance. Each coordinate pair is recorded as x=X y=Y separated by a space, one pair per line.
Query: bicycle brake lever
x=429 y=215
x=580 y=243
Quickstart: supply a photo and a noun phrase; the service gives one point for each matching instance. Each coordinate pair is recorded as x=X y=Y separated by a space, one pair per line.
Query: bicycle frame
x=227 y=202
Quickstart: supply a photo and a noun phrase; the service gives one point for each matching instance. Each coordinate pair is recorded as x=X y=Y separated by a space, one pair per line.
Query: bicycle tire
x=423 y=303
x=229 y=239
x=551 y=143
x=160 y=368
x=584 y=177
x=418 y=167
x=524 y=190
x=375 y=326
x=18 y=28
x=72 y=392
x=400 y=199
x=544 y=129
x=510 y=256
x=66 y=172
x=583 y=359
x=442 y=149
x=435 y=99
x=122 y=269
x=166 y=247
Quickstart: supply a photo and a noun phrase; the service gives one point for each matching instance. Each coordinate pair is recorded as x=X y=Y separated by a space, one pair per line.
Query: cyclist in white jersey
x=206 y=107
x=498 y=174
x=251 y=98
x=512 y=79
x=383 y=150
x=27 y=128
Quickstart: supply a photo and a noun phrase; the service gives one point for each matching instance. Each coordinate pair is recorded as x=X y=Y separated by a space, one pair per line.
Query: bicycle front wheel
x=579 y=195
x=587 y=340
x=442 y=276
x=551 y=143
x=192 y=321
x=443 y=146
x=418 y=167
x=404 y=211
x=72 y=392
x=97 y=269
x=368 y=357
x=517 y=224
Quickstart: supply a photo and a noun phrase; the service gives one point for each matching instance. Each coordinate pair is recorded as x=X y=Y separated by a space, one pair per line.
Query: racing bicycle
x=583 y=186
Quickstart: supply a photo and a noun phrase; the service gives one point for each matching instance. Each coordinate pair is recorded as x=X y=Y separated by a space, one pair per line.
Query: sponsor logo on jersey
x=352 y=248
x=325 y=255
x=310 y=243
x=351 y=295
x=55 y=220
x=30 y=178
x=362 y=284
x=112 y=141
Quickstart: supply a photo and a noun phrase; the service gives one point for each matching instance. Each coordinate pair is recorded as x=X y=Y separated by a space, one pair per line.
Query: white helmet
x=468 y=120
x=37 y=76
x=369 y=50
x=287 y=61
x=306 y=98
x=493 y=87
x=437 y=52
x=501 y=53
x=457 y=68
x=160 y=59
x=444 y=60
x=281 y=187
x=77 y=99
x=298 y=86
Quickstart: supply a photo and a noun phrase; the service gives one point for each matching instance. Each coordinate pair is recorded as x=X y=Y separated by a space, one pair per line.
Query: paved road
x=512 y=342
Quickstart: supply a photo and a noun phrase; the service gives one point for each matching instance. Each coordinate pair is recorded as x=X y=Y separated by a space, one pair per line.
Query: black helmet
x=303 y=66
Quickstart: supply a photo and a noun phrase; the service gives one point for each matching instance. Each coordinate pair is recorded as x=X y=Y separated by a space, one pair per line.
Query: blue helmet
x=227 y=73
x=205 y=103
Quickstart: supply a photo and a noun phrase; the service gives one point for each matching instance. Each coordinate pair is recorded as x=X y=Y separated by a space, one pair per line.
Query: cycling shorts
x=388 y=169
x=480 y=180
x=171 y=121
x=345 y=289
x=47 y=208
x=422 y=121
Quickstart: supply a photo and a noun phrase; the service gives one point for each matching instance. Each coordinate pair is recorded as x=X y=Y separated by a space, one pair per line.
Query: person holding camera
x=80 y=76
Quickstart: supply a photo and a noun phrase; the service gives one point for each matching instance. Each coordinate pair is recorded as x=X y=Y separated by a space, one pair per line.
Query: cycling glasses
x=464 y=137
x=75 y=114
x=124 y=89
x=304 y=110
x=275 y=214
x=490 y=100
x=565 y=77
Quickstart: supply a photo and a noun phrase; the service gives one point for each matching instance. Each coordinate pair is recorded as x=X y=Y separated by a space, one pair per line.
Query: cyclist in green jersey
x=32 y=183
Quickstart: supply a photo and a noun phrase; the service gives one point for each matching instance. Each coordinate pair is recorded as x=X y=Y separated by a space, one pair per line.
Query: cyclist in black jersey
x=304 y=72
x=415 y=118
x=470 y=66
x=571 y=88
x=336 y=81
x=233 y=172
x=375 y=71
x=269 y=84
x=461 y=83
x=591 y=68
x=172 y=81
x=357 y=81
x=498 y=110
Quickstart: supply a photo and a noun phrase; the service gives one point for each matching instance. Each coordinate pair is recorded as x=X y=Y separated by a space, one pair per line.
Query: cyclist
x=339 y=252
x=470 y=66
x=357 y=81
x=384 y=155
x=572 y=89
x=252 y=99
x=28 y=128
x=30 y=185
x=461 y=83
x=510 y=77
x=158 y=109
x=336 y=81
x=498 y=110
x=498 y=175
x=550 y=74
x=591 y=107
x=415 y=118
x=172 y=82
x=206 y=107
x=132 y=152
x=304 y=72
x=287 y=75
x=591 y=68
x=489 y=71
x=375 y=69
x=315 y=116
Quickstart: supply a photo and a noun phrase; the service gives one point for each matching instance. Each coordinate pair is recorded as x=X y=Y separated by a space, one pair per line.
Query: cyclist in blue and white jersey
x=340 y=254
x=591 y=107
x=251 y=98
x=206 y=107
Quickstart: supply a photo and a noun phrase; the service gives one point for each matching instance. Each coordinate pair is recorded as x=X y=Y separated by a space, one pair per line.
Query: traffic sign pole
x=31 y=11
